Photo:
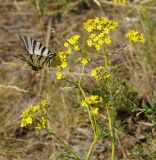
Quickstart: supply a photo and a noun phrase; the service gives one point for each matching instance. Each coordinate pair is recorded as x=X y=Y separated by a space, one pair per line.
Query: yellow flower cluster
x=97 y=73
x=44 y=103
x=62 y=56
x=73 y=42
x=42 y=124
x=100 y=24
x=60 y=75
x=120 y=1
x=98 y=40
x=26 y=117
x=135 y=36
x=33 y=115
x=95 y=111
x=83 y=60
x=93 y=99
x=99 y=29
x=70 y=45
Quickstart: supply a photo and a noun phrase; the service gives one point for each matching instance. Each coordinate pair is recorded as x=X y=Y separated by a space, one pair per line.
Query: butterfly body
x=36 y=49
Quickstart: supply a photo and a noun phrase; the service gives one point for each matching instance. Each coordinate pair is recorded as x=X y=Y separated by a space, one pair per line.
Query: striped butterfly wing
x=34 y=47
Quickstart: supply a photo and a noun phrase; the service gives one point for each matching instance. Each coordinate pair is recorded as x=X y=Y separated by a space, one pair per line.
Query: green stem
x=121 y=49
x=88 y=110
x=64 y=144
x=74 y=78
x=91 y=148
x=75 y=84
x=106 y=61
x=93 y=121
x=96 y=137
x=60 y=140
x=111 y=133
x=96 y=127
x=108 y=111
x=81 y=74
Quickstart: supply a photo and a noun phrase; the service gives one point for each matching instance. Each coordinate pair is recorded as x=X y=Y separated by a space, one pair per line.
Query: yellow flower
x=66 y=44
x=84 y=104
x=35 y=108
x=62 y=56
x=113 y=25
x=95 y=111
x=120 y=1
x=89 y=42
x=32 y=114
x=89 y=25
x=44 y=102
x=108 y=40
x=100 y=24
x=42 y=124
x=106 y=75
x=83 y=60
x=26 y=120
x=99 y=29
x=76 y=48
x=94 y=72
x=26 y=112
x=63 y=65
x=135 y=36
x=26 y=117
x=93 y=99
x=92 y=36
x=60 y=75
x=68 y=51
x=70 y=45
x=97 y=73
x=73 y=41
x=97 y=20
x=97 y=47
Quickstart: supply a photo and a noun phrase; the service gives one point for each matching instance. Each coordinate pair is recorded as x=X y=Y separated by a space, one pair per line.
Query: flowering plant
x=98 y=38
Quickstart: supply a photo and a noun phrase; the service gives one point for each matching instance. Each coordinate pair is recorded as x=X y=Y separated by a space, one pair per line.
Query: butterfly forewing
x=27 y=43
x=35 y=48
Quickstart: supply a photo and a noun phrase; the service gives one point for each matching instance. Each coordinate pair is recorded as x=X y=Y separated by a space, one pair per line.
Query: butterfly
x=35 y=49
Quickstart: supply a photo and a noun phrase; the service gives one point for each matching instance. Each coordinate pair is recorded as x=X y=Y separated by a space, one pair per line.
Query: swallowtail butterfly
x=35 y=49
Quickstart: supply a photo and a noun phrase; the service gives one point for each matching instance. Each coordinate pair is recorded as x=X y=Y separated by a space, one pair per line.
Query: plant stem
x=64 y=144
x=94 y=127
x=111 y=133
x=91 y=148
x=108 y=111
x=93 y=121
x=74 y=78
x=88 y=110
x=81 y=74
